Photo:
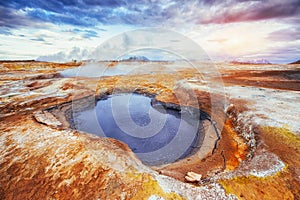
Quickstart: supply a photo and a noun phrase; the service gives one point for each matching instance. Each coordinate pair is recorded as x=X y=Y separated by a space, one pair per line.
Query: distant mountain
x=136 y=58
x=254 y=61
x=296 y=62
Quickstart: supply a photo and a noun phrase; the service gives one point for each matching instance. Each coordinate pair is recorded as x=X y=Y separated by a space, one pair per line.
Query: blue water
x=157 y=135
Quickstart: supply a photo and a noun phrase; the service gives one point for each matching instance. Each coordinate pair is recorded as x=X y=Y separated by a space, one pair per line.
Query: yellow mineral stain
x=150 y=187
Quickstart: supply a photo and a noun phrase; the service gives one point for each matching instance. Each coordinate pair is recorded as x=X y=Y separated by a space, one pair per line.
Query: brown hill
x=296 y=62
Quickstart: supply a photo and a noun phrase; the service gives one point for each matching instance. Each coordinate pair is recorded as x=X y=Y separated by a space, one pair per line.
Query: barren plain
x=254 y=155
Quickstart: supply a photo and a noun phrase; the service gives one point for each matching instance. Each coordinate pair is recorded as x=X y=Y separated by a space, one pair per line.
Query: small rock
x=47 y=118
x=193 y=177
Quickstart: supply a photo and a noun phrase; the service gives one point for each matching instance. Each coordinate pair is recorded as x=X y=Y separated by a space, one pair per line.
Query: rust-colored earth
x=256 y=156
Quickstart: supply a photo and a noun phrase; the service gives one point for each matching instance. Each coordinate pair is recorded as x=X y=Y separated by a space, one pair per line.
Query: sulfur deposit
x=250 y=149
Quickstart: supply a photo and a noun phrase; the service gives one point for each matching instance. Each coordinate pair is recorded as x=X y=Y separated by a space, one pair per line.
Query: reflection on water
x=157 y=135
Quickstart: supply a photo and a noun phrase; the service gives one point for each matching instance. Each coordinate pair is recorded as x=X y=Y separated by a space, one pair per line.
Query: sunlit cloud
x=224 y=29
x=235 y=40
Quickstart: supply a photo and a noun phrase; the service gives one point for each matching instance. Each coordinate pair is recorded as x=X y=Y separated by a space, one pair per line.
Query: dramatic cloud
x=82 y=22
x=11 y=18
x=289 y=34
x=5 y=31
x=146 y=12
x=252 y=11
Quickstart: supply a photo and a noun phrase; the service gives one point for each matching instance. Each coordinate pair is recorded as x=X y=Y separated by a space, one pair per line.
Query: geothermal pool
x=155 y=134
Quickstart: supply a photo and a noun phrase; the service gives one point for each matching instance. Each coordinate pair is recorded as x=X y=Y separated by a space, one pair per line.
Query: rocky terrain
x=255 y=154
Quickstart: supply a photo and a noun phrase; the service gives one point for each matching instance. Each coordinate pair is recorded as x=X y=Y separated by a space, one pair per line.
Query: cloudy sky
x=62 y=30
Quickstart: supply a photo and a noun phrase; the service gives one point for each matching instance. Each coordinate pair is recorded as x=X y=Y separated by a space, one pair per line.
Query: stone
x=193 y=177
x=47 y=118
